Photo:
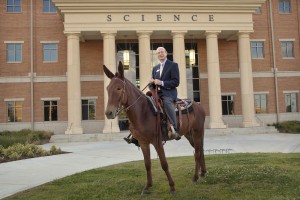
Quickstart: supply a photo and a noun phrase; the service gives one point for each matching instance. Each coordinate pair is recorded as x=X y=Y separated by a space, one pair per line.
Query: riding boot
x=131 y=139
x=173 y=134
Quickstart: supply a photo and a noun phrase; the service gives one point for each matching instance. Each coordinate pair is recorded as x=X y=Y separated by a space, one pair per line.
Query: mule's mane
x=134 y=94
x=134 y=87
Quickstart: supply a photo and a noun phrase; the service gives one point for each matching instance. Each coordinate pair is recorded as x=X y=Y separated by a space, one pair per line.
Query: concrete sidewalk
x=25 y=174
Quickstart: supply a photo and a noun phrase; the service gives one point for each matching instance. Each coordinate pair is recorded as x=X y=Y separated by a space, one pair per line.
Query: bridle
x=119 y=108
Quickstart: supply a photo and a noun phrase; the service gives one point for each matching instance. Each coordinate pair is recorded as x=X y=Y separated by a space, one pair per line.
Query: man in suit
x=166 y=76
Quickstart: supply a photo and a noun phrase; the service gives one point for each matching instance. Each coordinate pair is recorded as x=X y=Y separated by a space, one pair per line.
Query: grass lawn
x=229 y=176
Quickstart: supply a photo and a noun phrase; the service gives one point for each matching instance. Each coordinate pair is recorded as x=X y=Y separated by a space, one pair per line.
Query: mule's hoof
x=173 y=192
x=203 y=174
x=145 y=192
x=195 y=179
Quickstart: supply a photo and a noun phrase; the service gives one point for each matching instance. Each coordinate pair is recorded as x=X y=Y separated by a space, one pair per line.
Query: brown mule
x=122 y=93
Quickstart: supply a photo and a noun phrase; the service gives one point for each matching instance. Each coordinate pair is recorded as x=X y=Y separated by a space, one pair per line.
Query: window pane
x=287 y=49
x=50 y=52
x=13 y=5
x=85 y=112
x=284 y=6
x=17 y=9
x=227 y=105
x=46 y=6
x=294 y=103
x=261 y=103
x=10 y=9
x=195 y=84
x=195 y=72
x=257 y=49
x=14 y=111
x=91 y=112
x=10 y=112
x=14 y=52
x=10 y=2
x=50 y=110
x=54 y=113
x=52 y=8
x=196 y=96
x=46 y=113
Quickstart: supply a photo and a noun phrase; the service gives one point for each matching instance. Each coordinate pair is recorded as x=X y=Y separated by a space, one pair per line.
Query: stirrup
x=128 y=140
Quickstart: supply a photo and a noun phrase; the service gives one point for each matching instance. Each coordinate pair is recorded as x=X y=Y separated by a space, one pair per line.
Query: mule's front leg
x=164 y=165
x=147 y=161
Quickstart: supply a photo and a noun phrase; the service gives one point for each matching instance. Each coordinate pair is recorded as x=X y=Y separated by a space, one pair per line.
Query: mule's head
x=115 y=91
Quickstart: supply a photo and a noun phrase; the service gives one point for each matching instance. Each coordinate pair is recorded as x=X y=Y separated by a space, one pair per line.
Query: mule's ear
x=121 y=70
x=108 y=73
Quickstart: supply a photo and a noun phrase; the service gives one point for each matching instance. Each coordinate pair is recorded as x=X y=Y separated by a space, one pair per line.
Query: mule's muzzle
x=110 y=114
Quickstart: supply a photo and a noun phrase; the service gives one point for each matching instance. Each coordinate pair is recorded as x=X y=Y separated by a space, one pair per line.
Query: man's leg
x=170 y=110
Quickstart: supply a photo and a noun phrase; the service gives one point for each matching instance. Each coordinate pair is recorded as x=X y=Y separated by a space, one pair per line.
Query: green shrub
x=288 y=126
x=21 y=151
x=8 y=138
x=55 y=150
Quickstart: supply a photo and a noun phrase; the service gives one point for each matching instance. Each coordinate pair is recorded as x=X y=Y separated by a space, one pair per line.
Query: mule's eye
x=118 y=88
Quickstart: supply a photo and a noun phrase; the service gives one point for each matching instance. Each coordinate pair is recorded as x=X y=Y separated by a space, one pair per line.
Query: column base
x=111 y=126
x=250 y=124
x=217 y=125
x=75 y=130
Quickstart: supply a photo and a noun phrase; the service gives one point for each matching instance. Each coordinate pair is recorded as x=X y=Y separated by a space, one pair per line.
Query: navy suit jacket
x=170 y=77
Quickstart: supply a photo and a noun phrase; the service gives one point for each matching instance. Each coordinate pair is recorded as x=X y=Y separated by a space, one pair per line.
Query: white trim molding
x=15 y=99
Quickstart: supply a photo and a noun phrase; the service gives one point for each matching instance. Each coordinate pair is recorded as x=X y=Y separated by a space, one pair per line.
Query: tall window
x=88 y=109
x=260 y=103
x=284 y=6
x=50 y=52
x=291 y=102
x=50 y=110
x=13 y=6
x=14 y=52
x=287 y=49
x=227 y=105
x=193 y=83
x=48 y=7
x=257 y=49
x=14 y=111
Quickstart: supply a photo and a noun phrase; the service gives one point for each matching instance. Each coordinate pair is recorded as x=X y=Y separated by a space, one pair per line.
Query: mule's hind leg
x=147 y=160
x=164 y=165
x=191 y=139
x=202 y=159
x=195 y=140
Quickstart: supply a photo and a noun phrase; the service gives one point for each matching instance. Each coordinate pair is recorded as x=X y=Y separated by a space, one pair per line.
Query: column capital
x=141 y=33
x=108 y=33
x=78 y=34
x=174 y=33
x=208 y=33
x=241 y=32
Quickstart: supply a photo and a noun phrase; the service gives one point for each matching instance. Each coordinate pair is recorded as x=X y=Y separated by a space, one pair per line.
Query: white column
x=179 y=57
x=144 y=57
x=109 y=60
x=246 y=80
x=214 y=82
x=74 y=87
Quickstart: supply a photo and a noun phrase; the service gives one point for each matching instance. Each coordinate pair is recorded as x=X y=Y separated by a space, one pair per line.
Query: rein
x=120 y=109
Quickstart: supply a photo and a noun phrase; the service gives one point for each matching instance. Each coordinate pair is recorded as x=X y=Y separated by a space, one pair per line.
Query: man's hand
x=157 y=82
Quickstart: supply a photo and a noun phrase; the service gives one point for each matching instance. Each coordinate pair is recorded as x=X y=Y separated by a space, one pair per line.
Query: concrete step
x=240 y=131
x=65 y=138
x=95 y=137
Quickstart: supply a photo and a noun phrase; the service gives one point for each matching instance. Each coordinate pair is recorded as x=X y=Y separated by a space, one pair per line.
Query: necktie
x=161 y=69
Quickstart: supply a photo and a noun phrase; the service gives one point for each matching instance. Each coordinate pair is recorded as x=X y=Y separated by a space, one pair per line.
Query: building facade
x=241 y=60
